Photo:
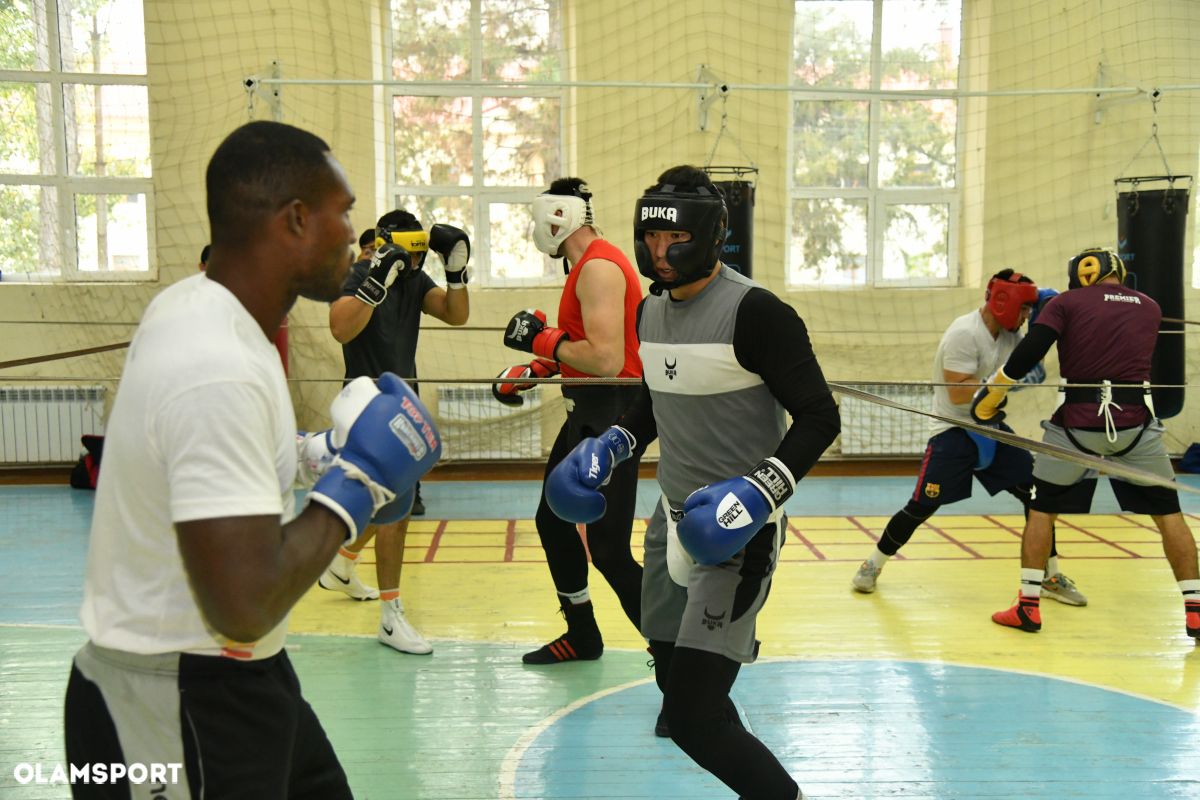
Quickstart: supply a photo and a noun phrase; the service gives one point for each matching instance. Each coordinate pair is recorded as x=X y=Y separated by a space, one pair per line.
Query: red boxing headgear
x=1005 y=296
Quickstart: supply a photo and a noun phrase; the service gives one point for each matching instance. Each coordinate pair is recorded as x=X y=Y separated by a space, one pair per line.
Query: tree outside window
x=472 y=156
x=75 y=188
x=873 y=183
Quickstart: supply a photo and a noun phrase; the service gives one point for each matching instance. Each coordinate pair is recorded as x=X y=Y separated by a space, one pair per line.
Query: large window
x=75 y=189
x=873 y=174
x=472 y=156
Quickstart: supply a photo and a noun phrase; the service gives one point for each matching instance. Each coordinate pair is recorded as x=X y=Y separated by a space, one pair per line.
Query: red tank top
x=570 y=316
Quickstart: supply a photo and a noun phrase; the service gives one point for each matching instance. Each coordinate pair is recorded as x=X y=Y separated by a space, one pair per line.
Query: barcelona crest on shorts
x=933 y=489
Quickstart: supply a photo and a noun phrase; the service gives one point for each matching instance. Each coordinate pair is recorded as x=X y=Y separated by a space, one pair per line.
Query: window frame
x=67 y=186
x=876 y=197
x=480 y=194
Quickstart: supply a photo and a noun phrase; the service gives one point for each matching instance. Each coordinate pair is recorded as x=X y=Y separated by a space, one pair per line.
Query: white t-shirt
x=202 y=427
x=967 y=346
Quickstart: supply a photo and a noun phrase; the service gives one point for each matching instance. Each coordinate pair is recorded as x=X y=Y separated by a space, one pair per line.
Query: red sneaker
x=1026 y=615
x=1192 y=608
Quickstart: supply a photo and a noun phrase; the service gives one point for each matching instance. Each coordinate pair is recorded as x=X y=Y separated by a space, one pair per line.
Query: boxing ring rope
x=844 y=388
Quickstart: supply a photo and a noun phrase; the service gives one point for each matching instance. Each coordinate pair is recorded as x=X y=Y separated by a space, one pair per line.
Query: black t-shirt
x=389 y=341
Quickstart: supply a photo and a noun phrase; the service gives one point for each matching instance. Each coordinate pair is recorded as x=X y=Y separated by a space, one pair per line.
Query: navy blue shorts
x=949 y=464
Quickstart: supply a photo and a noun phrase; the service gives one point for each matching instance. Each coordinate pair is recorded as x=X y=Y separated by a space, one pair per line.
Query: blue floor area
x=44 y=536
x=868 y=729
x=952 y=732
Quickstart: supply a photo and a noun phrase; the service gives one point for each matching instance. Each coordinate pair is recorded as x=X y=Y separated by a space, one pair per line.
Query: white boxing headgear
x=565 y=212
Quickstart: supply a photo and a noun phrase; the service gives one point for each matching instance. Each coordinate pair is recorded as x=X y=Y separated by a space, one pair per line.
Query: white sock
x=1190 y=589
x=1031 y=582
x=1052 y=565
x=577 y=598
x=878 y=558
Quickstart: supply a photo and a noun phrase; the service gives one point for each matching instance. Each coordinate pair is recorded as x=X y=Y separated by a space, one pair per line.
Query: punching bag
x=1150 y=231
x=739 y=199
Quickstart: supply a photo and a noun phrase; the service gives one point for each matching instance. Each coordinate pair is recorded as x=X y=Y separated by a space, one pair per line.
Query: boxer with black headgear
x=698 y=211
x=725 y=363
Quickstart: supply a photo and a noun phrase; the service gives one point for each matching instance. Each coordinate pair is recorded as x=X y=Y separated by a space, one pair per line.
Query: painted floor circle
x=885 y=729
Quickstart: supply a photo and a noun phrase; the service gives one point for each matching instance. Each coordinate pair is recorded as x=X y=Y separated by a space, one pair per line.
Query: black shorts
x=949 y=465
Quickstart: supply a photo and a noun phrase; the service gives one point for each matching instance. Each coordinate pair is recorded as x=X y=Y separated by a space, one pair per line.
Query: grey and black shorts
x=718 y=608
x=229 y=728
x=1064 y=487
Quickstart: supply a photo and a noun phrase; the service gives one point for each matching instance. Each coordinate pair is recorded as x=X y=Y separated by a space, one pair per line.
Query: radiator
x=476 y=426
x=42 y=424
x=869 y=429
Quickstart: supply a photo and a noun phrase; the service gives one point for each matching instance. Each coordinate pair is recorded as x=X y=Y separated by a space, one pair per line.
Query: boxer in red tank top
x=596 y=337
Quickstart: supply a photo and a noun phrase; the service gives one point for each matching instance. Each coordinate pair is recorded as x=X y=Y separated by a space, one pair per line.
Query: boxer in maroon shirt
x=1105 y=334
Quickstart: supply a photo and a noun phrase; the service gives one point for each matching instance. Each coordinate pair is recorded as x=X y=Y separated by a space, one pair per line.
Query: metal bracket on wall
x=274 y=94
x=709 y=94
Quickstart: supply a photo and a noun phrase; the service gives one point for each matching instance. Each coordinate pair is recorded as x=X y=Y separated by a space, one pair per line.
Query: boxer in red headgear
x=1010 y=296
x=972 y=348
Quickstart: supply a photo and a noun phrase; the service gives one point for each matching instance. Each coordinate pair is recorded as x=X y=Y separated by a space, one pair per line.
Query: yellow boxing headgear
x=1092 y=266
x=412 y=241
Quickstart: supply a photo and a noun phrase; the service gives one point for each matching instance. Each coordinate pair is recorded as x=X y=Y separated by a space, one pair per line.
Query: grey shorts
x=1064 y=487
x=718 y=609
x=1150 y=454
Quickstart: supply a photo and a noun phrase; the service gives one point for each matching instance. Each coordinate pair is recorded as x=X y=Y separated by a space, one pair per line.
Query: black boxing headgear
x=699 y=211
x=1092 y=266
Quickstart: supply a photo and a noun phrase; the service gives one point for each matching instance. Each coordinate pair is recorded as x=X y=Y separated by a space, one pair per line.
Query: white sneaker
x=864 y=579
x=340 y=576
x=396 y=631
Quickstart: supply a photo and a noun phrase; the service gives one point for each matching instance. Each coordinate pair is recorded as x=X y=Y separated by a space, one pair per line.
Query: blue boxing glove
x=1044 y=296
x=396 y=510
x=1036 y=375
x=573 y=486
x=384 y=441
x=316 y=453
x=720 y=519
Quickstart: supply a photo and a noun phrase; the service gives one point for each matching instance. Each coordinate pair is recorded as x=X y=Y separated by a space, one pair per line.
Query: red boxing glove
x=514 y=380
x=527 y=331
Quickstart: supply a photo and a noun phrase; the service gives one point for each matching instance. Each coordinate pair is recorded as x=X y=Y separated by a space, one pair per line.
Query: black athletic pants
x=704 y=722
x=590 y=412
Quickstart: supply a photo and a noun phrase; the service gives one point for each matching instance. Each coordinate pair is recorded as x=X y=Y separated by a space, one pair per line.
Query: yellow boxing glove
x=987 y=405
